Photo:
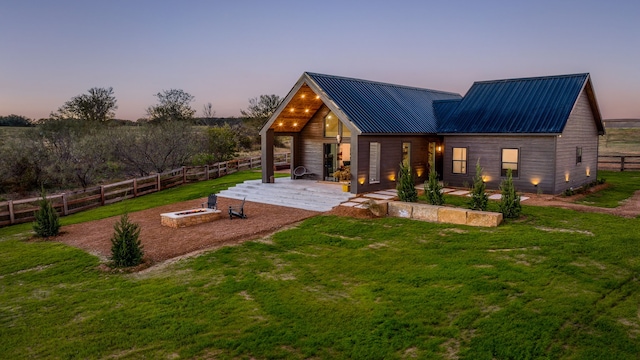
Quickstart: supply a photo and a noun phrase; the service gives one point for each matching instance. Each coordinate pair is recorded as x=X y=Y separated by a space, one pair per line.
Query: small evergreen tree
x=510 y=203
x=126 y=249
x=433 y=189
x=406 y=186
x=479 y=199
x=47 y=223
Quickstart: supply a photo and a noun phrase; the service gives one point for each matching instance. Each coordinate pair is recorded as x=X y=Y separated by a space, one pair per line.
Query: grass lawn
x=622 y=185
x=553 y=284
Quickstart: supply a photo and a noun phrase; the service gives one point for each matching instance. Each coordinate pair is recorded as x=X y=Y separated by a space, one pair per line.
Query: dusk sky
x=226 y=52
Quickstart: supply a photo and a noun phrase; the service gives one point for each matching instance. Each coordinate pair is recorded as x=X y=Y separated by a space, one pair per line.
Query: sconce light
x=535 y=182
x=439 y=148
x=361 y=181
x=485 y=179
x=566 y=177
x=338 y=138
x=588 y=172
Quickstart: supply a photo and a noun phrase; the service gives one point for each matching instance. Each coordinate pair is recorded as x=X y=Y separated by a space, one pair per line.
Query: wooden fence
x=618 y=162
x=21 y=211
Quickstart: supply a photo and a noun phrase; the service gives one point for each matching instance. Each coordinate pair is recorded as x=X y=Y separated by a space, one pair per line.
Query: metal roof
x=528 y=105
x=379 y=108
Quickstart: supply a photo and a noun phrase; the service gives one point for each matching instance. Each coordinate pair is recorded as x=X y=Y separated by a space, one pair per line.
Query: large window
x=578 y=155
x=334 y=127
x=406 y=153
x=331 y=125
x=374 y=162
x=510 y=161
x=459 y=160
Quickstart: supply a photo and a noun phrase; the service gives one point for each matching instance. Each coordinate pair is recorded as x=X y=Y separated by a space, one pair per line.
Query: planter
x=346 y=187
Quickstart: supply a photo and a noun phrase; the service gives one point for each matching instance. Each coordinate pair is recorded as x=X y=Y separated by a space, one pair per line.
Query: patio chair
x=212 y=202
x=300 y=171
x=237 y=211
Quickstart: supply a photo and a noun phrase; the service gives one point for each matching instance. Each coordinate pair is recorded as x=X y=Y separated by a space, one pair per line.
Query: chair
x=237 y=211
x=212 y=202
x=300 y=171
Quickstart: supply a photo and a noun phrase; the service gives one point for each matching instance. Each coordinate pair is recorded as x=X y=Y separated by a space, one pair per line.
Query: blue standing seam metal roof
x=517 y=106
x=380 y=108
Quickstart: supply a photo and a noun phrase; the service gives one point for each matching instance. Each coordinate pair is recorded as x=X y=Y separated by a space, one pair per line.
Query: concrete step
x=299 y=194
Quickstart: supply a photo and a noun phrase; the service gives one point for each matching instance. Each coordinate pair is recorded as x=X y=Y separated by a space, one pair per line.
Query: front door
x=330 y=161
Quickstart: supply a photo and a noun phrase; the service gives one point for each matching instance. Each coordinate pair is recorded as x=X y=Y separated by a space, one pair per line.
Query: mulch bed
x=161 y=243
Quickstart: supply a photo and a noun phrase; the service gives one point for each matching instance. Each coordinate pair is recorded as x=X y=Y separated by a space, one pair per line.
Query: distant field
x=10 y=131
x=620 y=141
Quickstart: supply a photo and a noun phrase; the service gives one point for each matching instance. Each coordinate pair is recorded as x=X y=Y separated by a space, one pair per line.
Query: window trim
x=503 y=171
x=375 y=161
x=578 y=155
x=461 y=161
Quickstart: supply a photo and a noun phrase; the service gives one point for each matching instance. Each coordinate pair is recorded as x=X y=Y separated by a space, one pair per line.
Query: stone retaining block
x=443 y=214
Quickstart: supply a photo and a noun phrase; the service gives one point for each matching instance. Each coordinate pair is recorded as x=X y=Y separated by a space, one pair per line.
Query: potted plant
x=344 y=176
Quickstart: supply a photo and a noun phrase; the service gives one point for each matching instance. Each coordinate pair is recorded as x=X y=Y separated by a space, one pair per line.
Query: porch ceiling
x=303 y=105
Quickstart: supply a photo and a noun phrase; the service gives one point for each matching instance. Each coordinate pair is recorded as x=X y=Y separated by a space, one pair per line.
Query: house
x=545 y=129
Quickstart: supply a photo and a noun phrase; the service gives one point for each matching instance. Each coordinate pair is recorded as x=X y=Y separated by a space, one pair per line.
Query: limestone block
x=450 y=215
x=400 y=209
x=379 y=207
x=425 y=212
x=483 y=218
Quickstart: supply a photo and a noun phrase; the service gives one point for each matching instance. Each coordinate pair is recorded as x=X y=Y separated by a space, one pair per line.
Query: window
x=331 y=124
x=459 y=160
x=406 y=154
x=578 y=155
x=374 y=162
x=510 y=161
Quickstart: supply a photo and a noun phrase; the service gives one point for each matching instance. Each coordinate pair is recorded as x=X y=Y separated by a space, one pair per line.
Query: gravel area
x=162 y=243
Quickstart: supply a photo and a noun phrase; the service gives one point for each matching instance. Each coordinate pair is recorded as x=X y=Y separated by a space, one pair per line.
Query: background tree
x=258 y=112
x=97 y=106
x=406 y=186
x=207 y=111
x=173 y=105
x=222 y=143
x=15 y=120
x=479 y=199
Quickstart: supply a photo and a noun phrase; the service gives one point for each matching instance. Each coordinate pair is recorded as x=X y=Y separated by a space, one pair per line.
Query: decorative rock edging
x=443 y=214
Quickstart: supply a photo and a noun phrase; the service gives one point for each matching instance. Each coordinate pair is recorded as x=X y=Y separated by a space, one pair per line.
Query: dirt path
x=162 y=243
x=630 y=207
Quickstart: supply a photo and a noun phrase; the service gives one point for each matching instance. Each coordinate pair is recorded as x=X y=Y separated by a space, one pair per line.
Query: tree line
x=81 y=144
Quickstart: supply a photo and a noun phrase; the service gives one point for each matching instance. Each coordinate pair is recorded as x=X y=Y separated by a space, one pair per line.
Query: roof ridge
x=381 y=83
x=532 y=78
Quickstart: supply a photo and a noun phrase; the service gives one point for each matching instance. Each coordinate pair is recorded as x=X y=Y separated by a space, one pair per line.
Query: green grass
x=176 y=194
x=622 y=185
x=343 y=288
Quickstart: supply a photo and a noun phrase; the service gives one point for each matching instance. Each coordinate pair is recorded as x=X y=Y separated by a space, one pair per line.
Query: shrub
x=406 y=186
x=510 y=203
x=479 y=199
x=433 y=189
x=126 y=249
x=47 y=222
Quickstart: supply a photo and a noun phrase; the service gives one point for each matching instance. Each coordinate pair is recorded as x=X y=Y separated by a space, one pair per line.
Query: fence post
x=135 y=187
x=12 y=216
x=65 y=205
x=218 y=169
x=101 y=195
x=206 y=172
x=621 y=163
x=184 y=175
x=158 y=180
x=250 y=163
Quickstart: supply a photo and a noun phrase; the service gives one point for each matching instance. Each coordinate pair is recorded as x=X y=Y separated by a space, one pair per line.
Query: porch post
x=354 y=163
x=267 y=155
x=295 y=157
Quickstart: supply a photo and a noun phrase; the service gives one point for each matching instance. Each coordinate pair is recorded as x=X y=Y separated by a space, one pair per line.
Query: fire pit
x=184 y=218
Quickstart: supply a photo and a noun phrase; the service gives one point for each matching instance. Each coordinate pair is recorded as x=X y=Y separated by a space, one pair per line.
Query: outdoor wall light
x=317 y=97
x=566 y=177
x=295 y=124
x=588 y=172
x=439 y=148
x=361 y=181
x=338 y=138
x=485 y=178
x=535 y=182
